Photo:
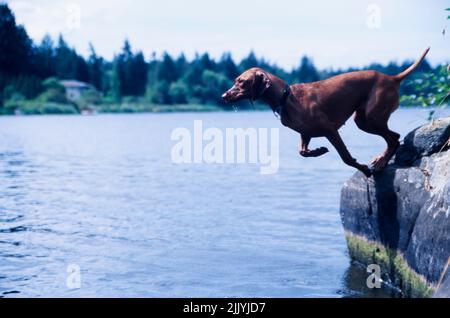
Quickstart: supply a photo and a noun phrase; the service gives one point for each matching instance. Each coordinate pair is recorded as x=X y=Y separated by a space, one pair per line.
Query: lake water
x=100 y=194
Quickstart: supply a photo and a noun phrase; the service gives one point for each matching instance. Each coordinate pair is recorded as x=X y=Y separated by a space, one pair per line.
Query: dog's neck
x=277 y=95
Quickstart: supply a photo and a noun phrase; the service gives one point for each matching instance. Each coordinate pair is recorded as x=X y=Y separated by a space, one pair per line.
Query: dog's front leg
x=305 y=152
x=345 y=155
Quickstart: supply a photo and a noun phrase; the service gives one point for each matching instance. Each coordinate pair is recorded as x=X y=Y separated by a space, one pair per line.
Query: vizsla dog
x=320 y=108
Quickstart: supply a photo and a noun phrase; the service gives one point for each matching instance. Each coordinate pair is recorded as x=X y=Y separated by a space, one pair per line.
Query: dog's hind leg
x=392 y=140
x=373 y=118
x=305 y=152
x=378 y=126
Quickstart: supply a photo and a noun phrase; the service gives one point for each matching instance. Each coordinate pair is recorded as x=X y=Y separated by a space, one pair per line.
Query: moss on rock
x=394 y=267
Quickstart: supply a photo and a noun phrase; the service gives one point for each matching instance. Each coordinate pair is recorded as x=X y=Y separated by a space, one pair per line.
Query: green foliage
x=159 y=93
x=141 y=106
x=212 y=87
x=13 y=100
x=178 y=92
x=89 y=99
x=54 y=92
x=26 y=85
x=433 y=88
x=47 y=108
x=116 y=82
x=52 y=83
x=37 y=108
x=11 y=94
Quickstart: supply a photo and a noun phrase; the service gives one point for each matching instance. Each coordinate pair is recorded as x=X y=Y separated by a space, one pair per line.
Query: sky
x=335 y=34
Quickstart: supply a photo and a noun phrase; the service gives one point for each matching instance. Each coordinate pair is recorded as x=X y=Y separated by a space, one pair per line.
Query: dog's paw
x=318 y=152
x=366 y=170
x=322 y=150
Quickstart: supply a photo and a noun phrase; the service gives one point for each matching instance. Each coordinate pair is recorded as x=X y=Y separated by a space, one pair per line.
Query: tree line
x=31 y=70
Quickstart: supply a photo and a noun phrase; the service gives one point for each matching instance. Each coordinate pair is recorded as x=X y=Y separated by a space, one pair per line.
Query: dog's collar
x=286 y=92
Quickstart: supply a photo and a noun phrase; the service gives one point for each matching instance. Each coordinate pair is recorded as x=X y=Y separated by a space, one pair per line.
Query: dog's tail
x=410 y=69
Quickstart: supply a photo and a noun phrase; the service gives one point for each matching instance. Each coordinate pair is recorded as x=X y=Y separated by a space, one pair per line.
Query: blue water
x=102 y=193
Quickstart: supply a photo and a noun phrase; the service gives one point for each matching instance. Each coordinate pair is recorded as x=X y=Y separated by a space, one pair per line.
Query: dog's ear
x=261 y=82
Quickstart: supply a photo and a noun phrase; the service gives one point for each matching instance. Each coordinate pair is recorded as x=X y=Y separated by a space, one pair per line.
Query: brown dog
x=320 y=108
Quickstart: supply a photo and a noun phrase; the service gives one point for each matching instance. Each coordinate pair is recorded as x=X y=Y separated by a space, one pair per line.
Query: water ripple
x=102 y=194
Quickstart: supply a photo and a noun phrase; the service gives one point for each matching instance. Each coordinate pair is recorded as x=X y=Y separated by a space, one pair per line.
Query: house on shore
x=74 y=89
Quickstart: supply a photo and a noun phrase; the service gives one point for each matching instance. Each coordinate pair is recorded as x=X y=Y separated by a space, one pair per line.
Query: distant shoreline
x=49 y=108
x=129 y=108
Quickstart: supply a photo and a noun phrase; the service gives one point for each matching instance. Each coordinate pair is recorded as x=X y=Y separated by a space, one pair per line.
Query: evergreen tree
x=306 y=72
x=107 y=75
x=228 y=67
x=116 y=85
x=137 y=75
x=131 y=72
x=193 y=75
x=16 y=51
x=95 y=69
x=167 y=70
x=206 y=63
x=45 y=55
x=152 y=67
x=121 y=72
x=81 y=68
x=65 y=60
x=181 y=65
x=249 y=62
x=15 y=45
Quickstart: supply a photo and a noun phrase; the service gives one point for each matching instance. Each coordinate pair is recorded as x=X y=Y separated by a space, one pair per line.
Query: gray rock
x=424 y=141
x=406 y=208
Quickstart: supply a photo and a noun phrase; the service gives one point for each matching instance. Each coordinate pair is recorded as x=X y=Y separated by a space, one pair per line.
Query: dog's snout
x=227 y=95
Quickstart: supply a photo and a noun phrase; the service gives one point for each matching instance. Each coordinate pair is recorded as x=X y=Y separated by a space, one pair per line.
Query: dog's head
x=249 y=85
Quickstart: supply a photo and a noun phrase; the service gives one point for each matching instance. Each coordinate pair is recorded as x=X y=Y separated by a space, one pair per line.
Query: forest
x=30 y=75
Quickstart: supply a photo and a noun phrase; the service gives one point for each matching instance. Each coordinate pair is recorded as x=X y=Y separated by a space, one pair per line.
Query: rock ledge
x=400 y=217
